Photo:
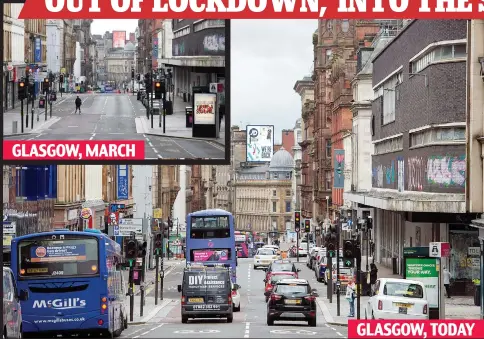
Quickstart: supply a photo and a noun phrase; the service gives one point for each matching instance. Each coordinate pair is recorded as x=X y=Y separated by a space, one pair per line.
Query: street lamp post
x=327 y=207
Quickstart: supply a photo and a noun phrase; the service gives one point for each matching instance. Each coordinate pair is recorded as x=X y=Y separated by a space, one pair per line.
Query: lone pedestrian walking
x=350 y=296
x=78 y=105
x=447 y=277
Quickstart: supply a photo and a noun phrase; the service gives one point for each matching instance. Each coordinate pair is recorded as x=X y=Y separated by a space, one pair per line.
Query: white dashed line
x=339 y=334
x=326 y=325
x=92 y=136
x=247 y=330
x=145 y=333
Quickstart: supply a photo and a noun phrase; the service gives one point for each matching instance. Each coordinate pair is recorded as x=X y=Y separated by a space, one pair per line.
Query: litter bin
x=394 y=266
x=188 y=117
x=184 y=97
x=138 y=95
x=477 y=295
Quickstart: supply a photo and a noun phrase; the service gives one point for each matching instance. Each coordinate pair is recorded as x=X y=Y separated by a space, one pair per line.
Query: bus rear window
x=53 y=257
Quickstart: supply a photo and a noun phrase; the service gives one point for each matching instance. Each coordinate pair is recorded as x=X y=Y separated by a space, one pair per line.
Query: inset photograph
x=162 y=82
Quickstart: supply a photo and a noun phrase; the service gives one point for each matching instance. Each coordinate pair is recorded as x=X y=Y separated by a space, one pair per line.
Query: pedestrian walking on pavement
x=351 y=296
x=78 y=105
x=447 y=277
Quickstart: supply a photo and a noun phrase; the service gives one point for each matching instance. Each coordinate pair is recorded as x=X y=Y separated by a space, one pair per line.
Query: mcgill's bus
x=73 y=283
x=210 y=239
x=241 y=244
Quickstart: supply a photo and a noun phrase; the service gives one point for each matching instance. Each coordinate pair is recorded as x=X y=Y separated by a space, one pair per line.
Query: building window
x=288 y=193
x=274 y=206
x=388 y=92
x=329 y=180
x=181 y=32
x=204 y=24
x=438 y=135
x=288 y=175
x=274 y=193
x=389 y=145
x=441 y=53
x=288 y=206
x=328 y=148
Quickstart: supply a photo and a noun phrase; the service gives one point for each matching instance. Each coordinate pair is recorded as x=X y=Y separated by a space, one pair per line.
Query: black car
x=292 y=299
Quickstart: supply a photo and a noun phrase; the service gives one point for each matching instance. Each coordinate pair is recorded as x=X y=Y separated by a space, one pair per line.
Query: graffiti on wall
x=214 y=43
x=384 y=176
x=401 y=174
x=446 y=171
x=416 y=173
x=436 y=171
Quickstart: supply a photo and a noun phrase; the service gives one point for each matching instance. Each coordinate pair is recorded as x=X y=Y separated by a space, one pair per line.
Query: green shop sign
x=426 y=271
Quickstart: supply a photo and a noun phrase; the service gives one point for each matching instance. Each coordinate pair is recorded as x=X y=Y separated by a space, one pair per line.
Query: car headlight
x=257 y=257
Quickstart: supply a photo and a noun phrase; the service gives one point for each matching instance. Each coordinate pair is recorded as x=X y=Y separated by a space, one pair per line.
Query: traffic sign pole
x=157 y=274
x=131 y=290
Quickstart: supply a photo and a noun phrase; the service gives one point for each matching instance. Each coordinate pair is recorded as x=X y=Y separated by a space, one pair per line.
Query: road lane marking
x=247 y=330
x=145 y=333
x=326 y=325
x=339 y=334
x=183 y=148
x=92 y=136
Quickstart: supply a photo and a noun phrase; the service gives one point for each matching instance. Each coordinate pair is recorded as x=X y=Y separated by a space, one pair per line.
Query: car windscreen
x=403 y=289
x=276 y=278
x=291 y=289
x=265 y=251
x=277 y=267
x=206 y=282
x=47 y=257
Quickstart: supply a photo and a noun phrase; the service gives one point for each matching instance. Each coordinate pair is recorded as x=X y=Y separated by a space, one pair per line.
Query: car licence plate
x=403 y=305
x=195 y=300
x=402 y=310
x=293 y=302
x=265 y=261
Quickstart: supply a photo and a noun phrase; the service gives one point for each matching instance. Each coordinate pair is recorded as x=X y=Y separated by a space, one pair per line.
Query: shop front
x=96 y=210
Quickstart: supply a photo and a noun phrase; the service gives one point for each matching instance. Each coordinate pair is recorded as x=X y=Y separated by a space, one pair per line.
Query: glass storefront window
x=462 y=265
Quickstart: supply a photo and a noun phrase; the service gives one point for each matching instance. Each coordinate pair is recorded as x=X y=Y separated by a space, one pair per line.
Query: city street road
x=112 y=117
x=250 y=322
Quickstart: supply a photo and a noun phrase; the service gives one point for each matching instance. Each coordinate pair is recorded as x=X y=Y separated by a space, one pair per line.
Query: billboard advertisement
x=260 y=143
x=339 y=168
x=210 y=255
x=205 y=106
x=123 y=181
x=119 y=39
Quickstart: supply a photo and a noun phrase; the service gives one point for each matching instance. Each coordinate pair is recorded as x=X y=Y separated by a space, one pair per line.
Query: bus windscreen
x=44 y=257
x=210 y=227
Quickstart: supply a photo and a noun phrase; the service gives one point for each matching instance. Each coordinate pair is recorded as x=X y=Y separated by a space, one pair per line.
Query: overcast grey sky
x=100 y=26
x=268 y=57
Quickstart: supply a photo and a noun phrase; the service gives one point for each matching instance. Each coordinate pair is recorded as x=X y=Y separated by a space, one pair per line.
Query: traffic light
x=307 y=226
x=349 y=249
x=158 y=90
x=142 y=249
x=131 y=249
x=369 y=222
x=158 y=242
x=297 y=221
x=46 y=85
x=148 y=83
x=21 y=90
x=61 y=78
x=132 y=73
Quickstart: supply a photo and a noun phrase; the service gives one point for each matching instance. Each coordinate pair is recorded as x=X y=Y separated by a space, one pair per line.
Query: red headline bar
x=74 y=150
x=253 y=9
x=412 y=329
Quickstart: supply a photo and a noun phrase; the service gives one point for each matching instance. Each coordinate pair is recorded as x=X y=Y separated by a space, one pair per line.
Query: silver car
x=12 y=313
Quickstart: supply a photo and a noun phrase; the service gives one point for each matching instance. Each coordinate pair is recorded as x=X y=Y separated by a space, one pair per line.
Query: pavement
x=250 y=322
x=175 y=123
x=113 y=117
x=455 y=307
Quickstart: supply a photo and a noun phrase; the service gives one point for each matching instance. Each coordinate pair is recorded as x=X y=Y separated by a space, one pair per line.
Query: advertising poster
x=339 y=168
x=205 y=106
x=425 y=271
x=260 y=143
x=119 y=39
x=210 y=255
x=38 y=50
x=57 y=253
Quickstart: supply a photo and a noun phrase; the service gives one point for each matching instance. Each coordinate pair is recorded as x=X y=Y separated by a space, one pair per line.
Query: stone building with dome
x=264 y=196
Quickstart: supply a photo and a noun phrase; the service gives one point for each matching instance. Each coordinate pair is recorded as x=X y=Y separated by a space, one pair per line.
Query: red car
x=274 y=278
x=283 y=266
